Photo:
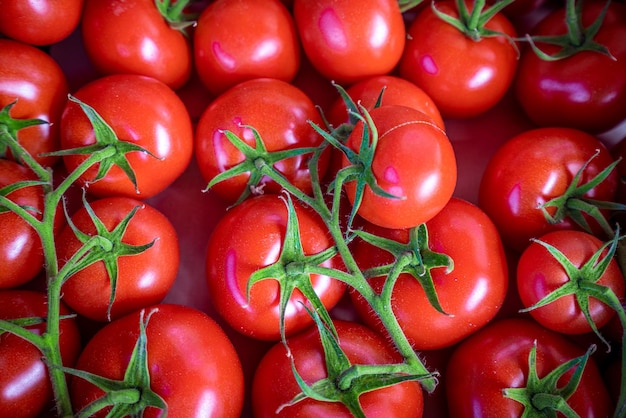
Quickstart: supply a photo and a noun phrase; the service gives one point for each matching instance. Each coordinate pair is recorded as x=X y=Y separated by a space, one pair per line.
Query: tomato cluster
x=265 y=208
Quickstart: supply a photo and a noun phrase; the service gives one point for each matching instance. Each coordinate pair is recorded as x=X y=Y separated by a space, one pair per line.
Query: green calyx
x=414 y=258
x=572 y=204
x=578 y=37
x=105 y=246
x=583 y=282
x=175 y=15
x=472 y=22
x=258 y=162
x=132 y=395
x=293 y=270
x=346 y=382
x=544 y=397
x=107 y=143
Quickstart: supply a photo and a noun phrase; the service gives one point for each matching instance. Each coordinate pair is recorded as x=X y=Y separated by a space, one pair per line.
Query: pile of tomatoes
x=312 y=208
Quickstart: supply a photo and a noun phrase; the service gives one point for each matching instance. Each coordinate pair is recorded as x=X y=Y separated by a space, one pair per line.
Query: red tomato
x=193 y=365
x=274 y=384
x=37 y=82
x=539 y=274
x=472 y=293
x=464 y=77
x=238 y=40
x=534 y=167
x=143 y=279
x=586 y=91
x=39 y=22
x=423 y=188
x=132 y=37
x=21 y=255
x=279 y=111
x=249 y=237
x=347 y=42
x=496 y=358
x=140 y=110
x=25 y=389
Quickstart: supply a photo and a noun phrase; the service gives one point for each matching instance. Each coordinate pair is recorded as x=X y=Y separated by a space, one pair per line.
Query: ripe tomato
x=496 y=358
x=193 y=365
x=423 y=187
x=347 y=42
x=279 y=111
x=39 y=22
x=37 y=82
x=463 y=76
x=132 y=37
x=585 y=91
x=238 y=40
x=274 y=384
x=143 y=279
x=472 y=293
x=250 y=236
x=534 y=167
x=539 y=273
x=141 y=110
x=21 y=255
x=25 y=389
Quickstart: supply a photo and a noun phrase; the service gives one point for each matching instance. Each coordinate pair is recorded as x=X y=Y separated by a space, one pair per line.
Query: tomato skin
x=496 y=358
x=144 y=279
x=464 y=77
x=131 y=37
x=285 y=126
x=141 y=110
x=539 y=273
x=346 y=43
x=21 y=255
x=275 y=385
x=38 y=83
x=39 y=22
x=250 y=237
x=586 y=91
x=533 y=167
x=25 y=388
x=473 y=292
x=227 y=51
x=425 y=188
x=193 y=365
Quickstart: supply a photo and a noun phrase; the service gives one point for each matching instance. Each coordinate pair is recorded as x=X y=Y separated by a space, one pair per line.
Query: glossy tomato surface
x=140 y=110
x=280 y=112
x=25 y=389
x=274 y=384
x=21 y=254
x=133 y=37
x=496 y=358
x=225 y=57
x=471 y=294
x=249 y=237
x=193 y=365
x=346 y=42
x=143 y=279
x=539 y=273
x=36 y=83
x=421 y=188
